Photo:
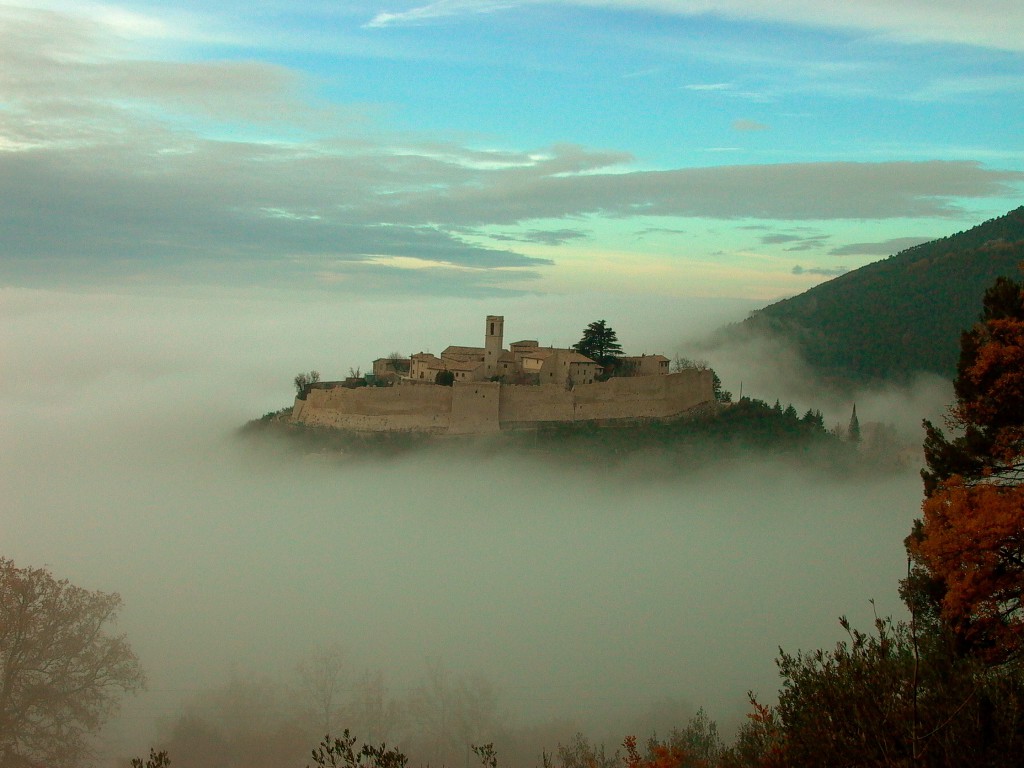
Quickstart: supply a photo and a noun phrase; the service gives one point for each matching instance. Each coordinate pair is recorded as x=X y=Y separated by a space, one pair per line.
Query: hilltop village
x=491 y=388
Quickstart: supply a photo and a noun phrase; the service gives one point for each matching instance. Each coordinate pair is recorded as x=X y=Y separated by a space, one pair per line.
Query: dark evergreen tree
x=721 y=395
x=814 y=419
x=853 y=431
x=600 y=343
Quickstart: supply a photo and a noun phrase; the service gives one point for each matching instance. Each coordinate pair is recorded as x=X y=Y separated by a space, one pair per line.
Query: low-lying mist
x=597 y=597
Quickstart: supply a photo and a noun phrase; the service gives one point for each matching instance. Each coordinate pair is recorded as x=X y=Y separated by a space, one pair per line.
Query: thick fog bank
x=581 y=594
x=772 y=369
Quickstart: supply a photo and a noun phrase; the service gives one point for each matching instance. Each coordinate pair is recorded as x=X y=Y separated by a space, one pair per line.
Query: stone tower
x=493 y=339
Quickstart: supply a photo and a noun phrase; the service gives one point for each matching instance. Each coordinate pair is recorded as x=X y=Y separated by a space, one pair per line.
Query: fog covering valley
x=606 y=600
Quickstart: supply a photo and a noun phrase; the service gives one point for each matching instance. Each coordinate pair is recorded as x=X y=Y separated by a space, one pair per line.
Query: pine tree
x=600 y=343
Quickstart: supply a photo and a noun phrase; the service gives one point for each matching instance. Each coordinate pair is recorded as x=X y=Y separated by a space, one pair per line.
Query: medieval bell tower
x=493 y=340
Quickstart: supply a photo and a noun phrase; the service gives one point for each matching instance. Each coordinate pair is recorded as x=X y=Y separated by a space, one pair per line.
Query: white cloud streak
x=439 y=10
x=951 y=89
x=987 y=23
x=748 y=125
x=992 y=24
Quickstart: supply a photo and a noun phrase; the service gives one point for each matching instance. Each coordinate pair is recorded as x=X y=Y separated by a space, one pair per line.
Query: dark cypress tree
x=853 y=431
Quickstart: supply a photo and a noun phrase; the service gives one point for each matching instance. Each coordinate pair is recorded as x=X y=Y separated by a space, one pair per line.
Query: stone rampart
x=636 y=397
x=483 y=407
x=475 y=408
x=409 y=408
x=535 y=404
x=644 y=397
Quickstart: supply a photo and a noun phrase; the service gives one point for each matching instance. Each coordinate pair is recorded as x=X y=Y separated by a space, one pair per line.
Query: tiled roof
x=659 y=358
x=462 y=365
x=455 y=350
x=541 y=353
x=576 y=357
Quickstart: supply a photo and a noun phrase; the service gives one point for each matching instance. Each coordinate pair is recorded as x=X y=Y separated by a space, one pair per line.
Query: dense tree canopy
x=971 y=540
x=60 y=669
x=895 y=317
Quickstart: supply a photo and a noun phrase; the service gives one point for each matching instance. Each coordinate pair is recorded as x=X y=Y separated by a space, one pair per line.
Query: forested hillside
x=893 y=318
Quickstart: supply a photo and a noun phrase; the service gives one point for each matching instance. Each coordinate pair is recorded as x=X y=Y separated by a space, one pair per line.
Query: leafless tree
x=371 y=710
x=303 y=380
x=452 y=714
x=321 y=681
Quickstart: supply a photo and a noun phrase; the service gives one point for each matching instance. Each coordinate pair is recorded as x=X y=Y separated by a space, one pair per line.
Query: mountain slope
x=895 y=317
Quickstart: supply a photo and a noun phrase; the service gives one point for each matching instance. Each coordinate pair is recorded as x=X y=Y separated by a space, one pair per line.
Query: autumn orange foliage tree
x=973 y=541
x=970 y=541
x=759 y=741
x=661 y=756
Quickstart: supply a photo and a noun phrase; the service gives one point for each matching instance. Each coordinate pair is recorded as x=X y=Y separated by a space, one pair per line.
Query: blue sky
x=475 y=148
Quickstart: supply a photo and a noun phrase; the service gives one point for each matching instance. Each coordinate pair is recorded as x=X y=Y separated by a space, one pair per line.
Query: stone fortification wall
x=482 y=407
x=637 y=397
x=535 y=404
x=644 y=397
x=475 y=408
x=419 y=408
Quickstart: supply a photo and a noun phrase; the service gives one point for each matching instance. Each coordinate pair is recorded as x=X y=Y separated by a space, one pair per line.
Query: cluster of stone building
x=496 y=389
x=524 y=362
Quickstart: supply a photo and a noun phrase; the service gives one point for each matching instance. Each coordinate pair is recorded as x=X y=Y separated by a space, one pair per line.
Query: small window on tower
x=492 y=329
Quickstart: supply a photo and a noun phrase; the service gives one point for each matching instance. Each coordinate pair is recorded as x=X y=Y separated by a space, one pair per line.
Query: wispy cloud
x=748 y=125
x=543 y=236
x=820 y=271
x=954 y=88
x=212 y=199
x=802 y=191
x=438 y=10
x=802 y=239
x=709 y=86
x=389 y=276
x=795 y=242
x=779 y=238
x=882 y=248
x=990 y=23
